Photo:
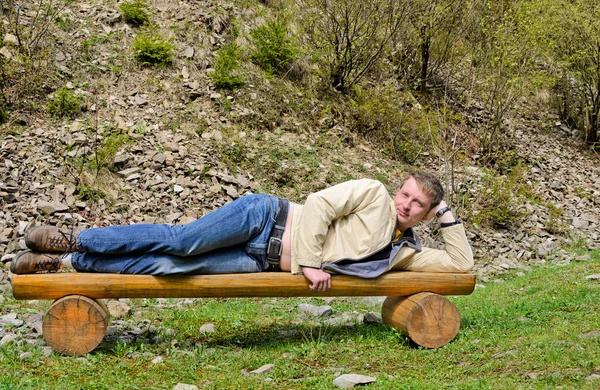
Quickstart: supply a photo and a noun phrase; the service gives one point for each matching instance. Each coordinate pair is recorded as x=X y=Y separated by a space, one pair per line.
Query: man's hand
x=319 y=279
x=431 y=214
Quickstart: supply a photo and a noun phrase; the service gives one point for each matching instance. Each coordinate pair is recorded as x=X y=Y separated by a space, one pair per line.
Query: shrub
x=106 y=151
x=151 y=48
x=499 y=203
x=3 y=109
x=64 y=103
x=275 y=49
x=383 y=114
x=135 y=12
x=352 y=36
x=226 y=63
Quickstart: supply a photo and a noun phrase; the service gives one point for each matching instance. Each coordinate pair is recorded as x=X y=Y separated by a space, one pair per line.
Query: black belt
x=275 y=246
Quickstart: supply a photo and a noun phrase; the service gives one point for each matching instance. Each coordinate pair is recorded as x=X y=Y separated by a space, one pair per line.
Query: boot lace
x=65 y=241
x=50 y=264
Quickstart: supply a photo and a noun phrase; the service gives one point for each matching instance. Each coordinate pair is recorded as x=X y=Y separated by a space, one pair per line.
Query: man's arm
x=457 y=255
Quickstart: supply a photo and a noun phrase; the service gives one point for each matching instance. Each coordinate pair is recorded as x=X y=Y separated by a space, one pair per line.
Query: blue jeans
x=232 y=239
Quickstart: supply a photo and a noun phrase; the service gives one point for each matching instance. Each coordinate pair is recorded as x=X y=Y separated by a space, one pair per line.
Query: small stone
x=373 y=318
x=592 y=334
x=10 y=320
x=593 y=277
x=52 y=207
x=178 y=189
x=9 y=338
x=8 y=257
x=11 y=39
x=26 y=355
x=318 y=311
x=160 y=158
x=158 y=359
x=128 y=172
x=6 y=53
x=184 y=386
x=263 y=369
x=348 y=381
x=140 y=101
x=47 y=351
x=188 y=52
x=118 y=309
x=207 y=328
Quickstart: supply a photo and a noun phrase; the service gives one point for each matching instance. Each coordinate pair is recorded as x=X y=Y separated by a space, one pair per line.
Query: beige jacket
x=357 y=218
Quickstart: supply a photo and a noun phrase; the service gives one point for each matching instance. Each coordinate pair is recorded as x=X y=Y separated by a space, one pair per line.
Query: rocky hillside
x=163 y=145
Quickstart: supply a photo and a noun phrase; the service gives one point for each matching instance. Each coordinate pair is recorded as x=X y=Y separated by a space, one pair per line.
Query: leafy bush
x=151 y=48
x=275 y=49
x=106 y=151
x=383 y=114
x=135 y=12
x=226 y=63
x=499 y=203
x=3 y=109
x=64 y=104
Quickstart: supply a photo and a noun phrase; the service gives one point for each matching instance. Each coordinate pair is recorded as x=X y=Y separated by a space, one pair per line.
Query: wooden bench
x=76 y=322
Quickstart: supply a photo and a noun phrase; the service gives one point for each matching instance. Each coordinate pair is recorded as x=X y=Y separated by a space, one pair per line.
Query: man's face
x=412 y=204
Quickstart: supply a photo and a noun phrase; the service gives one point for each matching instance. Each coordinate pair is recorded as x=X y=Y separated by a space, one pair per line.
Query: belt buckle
x=278 y=247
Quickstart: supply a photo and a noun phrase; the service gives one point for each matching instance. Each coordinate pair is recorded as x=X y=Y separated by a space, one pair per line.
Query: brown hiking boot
x=28 y=262
x=50 y=239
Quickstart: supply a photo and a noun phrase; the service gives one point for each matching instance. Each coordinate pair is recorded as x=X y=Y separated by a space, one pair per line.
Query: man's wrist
x=442 y=211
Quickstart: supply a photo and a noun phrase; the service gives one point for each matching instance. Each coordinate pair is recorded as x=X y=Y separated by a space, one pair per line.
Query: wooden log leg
x=430 y=320
x=75 y=325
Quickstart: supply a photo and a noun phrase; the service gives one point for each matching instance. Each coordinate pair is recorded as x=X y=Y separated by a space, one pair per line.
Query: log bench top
x=265 y=284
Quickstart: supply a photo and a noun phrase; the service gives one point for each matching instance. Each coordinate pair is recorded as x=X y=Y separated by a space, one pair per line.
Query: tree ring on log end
x=75 y=325
x=430 y=320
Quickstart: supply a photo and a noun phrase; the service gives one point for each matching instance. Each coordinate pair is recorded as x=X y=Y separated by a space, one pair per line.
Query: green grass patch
x=530 y=332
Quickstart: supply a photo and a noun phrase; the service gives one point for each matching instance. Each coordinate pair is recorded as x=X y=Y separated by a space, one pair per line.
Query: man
x=353 y=228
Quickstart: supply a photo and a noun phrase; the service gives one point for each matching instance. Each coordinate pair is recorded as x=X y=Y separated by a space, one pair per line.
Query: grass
x=528 y=332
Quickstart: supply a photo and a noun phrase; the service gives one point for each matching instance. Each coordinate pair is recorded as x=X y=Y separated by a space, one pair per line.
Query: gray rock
x=207 y=328
x=188 y=52
x=157 y=360
x=580 y=223
x=47 y=351
x=318 y=311
x=373 y=301
x=593 y=277
x=348 y=381
x=129 y=172
x=263 y=369
x=11 y=39
x=52 y=207
x=592 y=334
x=9 y=338
x=26 y=355
x=373 y=318
x=8 y=257
x=10 y=320
x=183 y=386
x=118 y=309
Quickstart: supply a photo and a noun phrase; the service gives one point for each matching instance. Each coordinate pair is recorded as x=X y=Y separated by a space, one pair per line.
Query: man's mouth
x=402 y=213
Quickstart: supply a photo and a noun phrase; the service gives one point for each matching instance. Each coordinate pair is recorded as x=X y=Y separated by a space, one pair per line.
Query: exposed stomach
x=286 y=241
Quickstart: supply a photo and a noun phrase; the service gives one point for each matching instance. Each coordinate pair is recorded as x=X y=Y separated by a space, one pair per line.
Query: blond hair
x=429 y=184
